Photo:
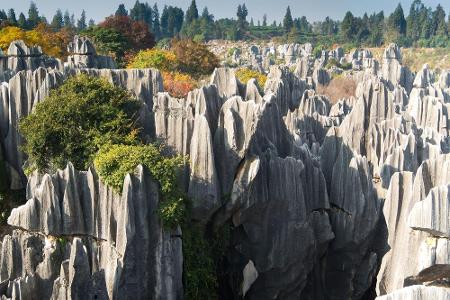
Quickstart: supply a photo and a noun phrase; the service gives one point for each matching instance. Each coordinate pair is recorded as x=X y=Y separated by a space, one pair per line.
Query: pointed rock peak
x=19 y=48
x=444 y=80
x=393 y=52
x=81 y=45
x=424 y=77
x=226 y=82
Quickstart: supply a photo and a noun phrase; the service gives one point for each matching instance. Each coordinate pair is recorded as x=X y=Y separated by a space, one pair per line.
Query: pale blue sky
x=312 y=9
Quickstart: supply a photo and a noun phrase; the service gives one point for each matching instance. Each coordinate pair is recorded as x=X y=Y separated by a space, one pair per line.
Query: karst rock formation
x=328 y=201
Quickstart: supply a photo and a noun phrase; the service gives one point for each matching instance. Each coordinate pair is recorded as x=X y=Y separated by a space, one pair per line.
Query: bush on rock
x=75 y=120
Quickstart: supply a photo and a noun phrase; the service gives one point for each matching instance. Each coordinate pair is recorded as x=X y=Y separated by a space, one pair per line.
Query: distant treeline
x=423 y=26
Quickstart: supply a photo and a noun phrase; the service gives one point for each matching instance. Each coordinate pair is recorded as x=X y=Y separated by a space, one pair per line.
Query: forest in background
x=421 y=27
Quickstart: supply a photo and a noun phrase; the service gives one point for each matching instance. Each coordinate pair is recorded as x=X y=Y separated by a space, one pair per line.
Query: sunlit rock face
x=75 y=238
x=344 y=200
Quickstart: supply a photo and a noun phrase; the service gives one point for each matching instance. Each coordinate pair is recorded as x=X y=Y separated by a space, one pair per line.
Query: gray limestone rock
x=226 y=83
x=83 y=55
x=432 y=214
x=285 y=87
x=418 y=292
x=120 y=248
x=269 y=203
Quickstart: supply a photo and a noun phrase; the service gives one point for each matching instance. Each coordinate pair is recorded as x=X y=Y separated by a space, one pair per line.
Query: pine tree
x=264 y=23
x=22 y=21
x=57 y=21
x=121 y=10
x=426 y=22
x=397 y=21
x=192 y=13
x=439 y=24
x=347 y=26
x=33 y=16
x=91 y=23
x=12 y=17
x=413 y=26
x=3 y=16
x=137 y=13
x=156 y=24
x=242 y=14
x=252 y=24
x=66 y=19
x=81 y=24
x=288 y=23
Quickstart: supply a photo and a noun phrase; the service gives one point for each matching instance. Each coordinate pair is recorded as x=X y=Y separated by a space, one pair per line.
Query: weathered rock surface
x=83 y=55
x=116 y=248
x=340 y=201
x=418 y=292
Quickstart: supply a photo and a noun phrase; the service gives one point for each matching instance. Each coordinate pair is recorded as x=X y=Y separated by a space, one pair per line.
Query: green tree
x=142 y=12
x=57 y=21
x=81 y=24
x=66 y=20
x=242 y=14
x=287 y=21
x=426 y=23
x=33 y=16
x=22 y=22
x=12 y=17
x=264 y=22
x=121 y=11
x=396 y=21
x=156 y=24
x=171 y=21
x=107 y=41
x=192 y=13
x=413 y=26
x=439 y=23
x=75 y=120
x=348 y=26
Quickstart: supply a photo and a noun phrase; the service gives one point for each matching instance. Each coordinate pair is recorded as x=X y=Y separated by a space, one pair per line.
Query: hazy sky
x=312 y=9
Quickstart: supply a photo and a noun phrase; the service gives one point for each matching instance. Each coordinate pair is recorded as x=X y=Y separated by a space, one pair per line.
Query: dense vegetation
x=113 y=162
x=182 y=64
x=89 y=121
x=75 y=120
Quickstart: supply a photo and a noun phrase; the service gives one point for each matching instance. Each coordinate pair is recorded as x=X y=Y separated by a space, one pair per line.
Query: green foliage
x=114 y=162
x=317 y=52
x=288 y=23
x=334 y=63
x=163 y=60
x=107 y=41
x=75 y=120
x=8 y=198
x=202 y=256
x=62 y=242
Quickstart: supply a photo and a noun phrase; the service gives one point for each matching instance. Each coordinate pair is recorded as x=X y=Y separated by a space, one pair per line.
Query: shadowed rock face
x=340 y=201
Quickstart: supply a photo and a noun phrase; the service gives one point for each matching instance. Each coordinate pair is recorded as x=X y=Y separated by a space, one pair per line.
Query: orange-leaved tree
x=194 y=58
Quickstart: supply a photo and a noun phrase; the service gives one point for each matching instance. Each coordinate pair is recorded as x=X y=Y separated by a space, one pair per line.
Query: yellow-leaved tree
x=52 y=43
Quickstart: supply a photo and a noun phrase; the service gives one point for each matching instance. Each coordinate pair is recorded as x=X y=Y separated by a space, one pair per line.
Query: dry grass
x=338 y=88
x=415 y=58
